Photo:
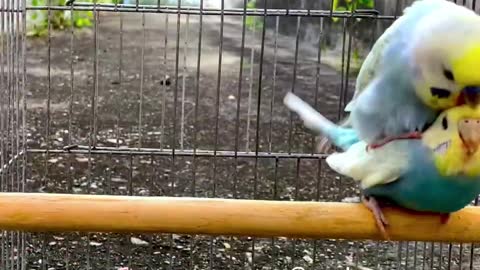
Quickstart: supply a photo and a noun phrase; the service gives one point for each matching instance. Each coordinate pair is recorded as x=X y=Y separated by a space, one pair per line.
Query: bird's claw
x=372 y=204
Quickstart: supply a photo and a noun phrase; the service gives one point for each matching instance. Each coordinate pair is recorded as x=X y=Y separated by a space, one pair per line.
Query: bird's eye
x=445 y=123
x=448 y=74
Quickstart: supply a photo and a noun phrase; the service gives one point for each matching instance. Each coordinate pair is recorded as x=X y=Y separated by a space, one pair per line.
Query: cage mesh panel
x=185 y=100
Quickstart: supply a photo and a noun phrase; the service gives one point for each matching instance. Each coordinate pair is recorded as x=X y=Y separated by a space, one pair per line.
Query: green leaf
x=335 y=5
x=253 y=23
x=37 y=20
x=366 y=3
x=336 y=19
x=370 y=4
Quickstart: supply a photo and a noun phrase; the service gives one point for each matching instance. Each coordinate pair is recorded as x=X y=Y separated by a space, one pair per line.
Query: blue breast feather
x=422 y=188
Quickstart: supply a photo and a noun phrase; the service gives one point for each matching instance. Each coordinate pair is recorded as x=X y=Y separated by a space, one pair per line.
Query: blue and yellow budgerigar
x=426 y=61
x=439 y=172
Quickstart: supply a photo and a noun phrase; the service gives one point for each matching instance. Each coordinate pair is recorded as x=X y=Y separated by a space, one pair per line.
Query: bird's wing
x=373 y=167
x=370 y=67
x=387 y=46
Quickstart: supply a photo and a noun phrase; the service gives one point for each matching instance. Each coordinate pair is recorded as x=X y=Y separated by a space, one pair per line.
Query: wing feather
x=374 y=167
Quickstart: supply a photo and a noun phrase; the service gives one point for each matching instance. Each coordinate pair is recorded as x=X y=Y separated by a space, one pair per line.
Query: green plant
x=37 y=20
x=351 y=5
x=251 y=22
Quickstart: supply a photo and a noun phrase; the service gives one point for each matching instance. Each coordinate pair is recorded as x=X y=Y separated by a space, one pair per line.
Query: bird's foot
x=406 y=136
x=444 y=218
x=372 y=204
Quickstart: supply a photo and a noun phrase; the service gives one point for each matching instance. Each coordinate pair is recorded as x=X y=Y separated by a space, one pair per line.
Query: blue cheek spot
x=472 y=90
x=472 y=94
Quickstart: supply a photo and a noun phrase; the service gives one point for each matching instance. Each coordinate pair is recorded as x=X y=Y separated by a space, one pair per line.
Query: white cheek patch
x=442 y=148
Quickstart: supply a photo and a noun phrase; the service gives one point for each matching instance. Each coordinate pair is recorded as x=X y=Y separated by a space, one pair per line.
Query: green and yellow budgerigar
x=426 y=61
x=439 y=172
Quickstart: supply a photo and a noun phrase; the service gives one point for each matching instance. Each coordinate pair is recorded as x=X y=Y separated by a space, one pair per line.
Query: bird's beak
x=469 y=95
x=469 y=130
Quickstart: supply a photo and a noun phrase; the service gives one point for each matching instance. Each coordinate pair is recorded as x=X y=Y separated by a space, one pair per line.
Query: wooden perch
x=95 y=213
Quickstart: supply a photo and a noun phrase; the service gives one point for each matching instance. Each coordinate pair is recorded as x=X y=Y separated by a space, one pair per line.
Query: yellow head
x=455 y=140
x=446 y=57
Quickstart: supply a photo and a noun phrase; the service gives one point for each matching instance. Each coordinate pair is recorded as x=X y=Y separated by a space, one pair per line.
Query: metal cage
x=161 y=99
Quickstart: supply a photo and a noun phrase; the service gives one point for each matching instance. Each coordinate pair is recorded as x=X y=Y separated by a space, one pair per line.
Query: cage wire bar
x=185 y=100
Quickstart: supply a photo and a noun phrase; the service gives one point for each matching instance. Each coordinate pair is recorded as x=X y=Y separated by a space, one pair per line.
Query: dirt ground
x=136 y=112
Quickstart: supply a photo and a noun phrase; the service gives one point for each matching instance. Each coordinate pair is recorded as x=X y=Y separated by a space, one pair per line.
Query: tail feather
x=324 y=143
x=329 y=133
x=312 y=119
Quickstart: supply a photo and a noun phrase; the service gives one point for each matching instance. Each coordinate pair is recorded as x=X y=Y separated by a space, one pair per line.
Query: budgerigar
x=426 y=61
x=439 y=173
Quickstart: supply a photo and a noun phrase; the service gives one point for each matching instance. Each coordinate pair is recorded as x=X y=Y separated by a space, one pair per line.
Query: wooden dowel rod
x=98 y=213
